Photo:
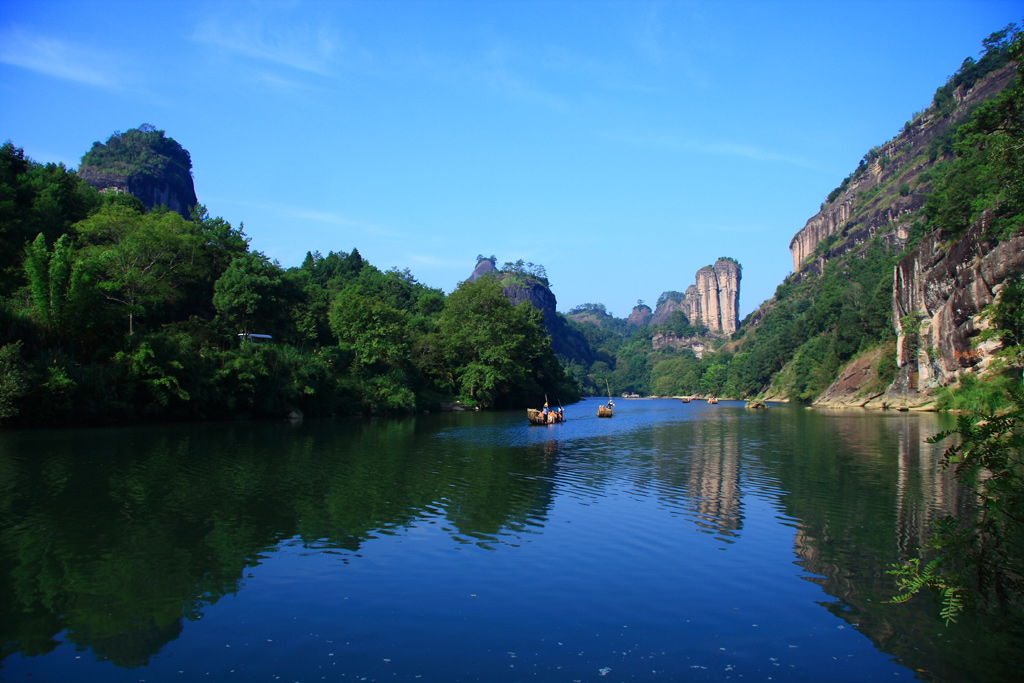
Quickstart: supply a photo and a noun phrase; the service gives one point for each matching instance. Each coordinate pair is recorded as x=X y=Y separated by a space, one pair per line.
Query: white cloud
x=60 y=59
x=304 y=47
x=325 y=217
x=726 y=149
x=431 y=260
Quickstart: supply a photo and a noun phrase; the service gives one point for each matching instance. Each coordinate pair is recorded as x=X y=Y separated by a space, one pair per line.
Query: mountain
x=930 y=220
x=144 y=163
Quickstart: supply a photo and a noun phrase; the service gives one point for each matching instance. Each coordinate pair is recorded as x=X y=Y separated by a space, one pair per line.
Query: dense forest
x=111 y=312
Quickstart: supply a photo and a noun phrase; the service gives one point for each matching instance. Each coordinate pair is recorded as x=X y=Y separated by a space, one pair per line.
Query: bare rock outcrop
x=640 y=315
x=938 y=294
x=712 y=302
x=669 y=303
x=671 y=341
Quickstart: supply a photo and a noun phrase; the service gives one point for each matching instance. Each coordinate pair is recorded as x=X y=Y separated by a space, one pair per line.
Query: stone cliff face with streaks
x=883 y=195
x=938 y=294
x=939 y=291
x=712 y=302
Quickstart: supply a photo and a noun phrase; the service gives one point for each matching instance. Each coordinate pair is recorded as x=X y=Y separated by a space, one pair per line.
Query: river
x=671 y=542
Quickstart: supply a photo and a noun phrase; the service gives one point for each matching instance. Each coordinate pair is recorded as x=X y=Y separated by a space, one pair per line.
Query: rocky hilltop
x=144 y=163
x=640 y=315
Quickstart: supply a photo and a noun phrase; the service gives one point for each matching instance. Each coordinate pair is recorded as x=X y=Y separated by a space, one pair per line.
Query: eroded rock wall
x=938 y=294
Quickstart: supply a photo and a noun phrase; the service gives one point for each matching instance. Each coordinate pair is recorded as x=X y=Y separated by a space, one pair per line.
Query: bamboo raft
x=537 y=417
x=605 y=411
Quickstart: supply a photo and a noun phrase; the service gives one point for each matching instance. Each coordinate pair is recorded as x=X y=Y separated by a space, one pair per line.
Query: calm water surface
x=671 y=542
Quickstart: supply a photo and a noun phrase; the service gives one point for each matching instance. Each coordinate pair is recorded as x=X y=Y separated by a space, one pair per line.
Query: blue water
x=670 y=542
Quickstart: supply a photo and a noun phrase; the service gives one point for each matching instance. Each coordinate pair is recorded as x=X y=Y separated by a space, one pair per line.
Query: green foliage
x=35 y=199
x=524 y=271
x=60 y=289
x=987 y=174
x=1006 y=323
x=141 y=261
x=333 y=271
x=494 y=354
x=12 y=379
x=249 y=296
x=911 y=578
x=974 y=395
x=679 y=325
x=996 y=54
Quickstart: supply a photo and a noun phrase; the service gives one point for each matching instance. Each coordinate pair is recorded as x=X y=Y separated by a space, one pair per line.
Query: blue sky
x=622 y=145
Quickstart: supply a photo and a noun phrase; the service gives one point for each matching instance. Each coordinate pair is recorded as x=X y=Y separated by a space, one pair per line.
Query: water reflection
x=114 y=540
x=113 y=537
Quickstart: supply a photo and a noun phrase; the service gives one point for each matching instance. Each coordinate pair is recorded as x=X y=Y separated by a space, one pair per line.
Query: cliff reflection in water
x=891 y=487
x=111 y=538
x=698 y=463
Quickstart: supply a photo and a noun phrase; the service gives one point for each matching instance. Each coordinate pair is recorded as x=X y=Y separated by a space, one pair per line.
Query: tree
x=57 y=283
x=494 y=354
x=376 y=335
x=141 y=260
x=249 y=293
x=12 y=379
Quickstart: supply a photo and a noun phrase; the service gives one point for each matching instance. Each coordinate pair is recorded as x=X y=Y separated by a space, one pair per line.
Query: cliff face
x=668 y=303
x=937 y=296
x=144 y=163
x=939 y=292
x=712 y=302
x=864 y=206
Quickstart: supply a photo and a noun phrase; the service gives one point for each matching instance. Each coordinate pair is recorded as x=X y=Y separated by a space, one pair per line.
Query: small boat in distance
x=685 y=399
x=712 y=400
x=606 y=409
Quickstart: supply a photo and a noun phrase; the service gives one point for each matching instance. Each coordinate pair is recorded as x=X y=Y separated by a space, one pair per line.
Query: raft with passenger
x=542 y=417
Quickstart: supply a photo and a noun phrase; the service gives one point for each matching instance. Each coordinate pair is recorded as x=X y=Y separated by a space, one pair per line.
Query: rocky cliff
x=677 y=343
x=939 y=291
x=669 y=303
x=885 y=192
x=145 y=163
x=713 y=302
